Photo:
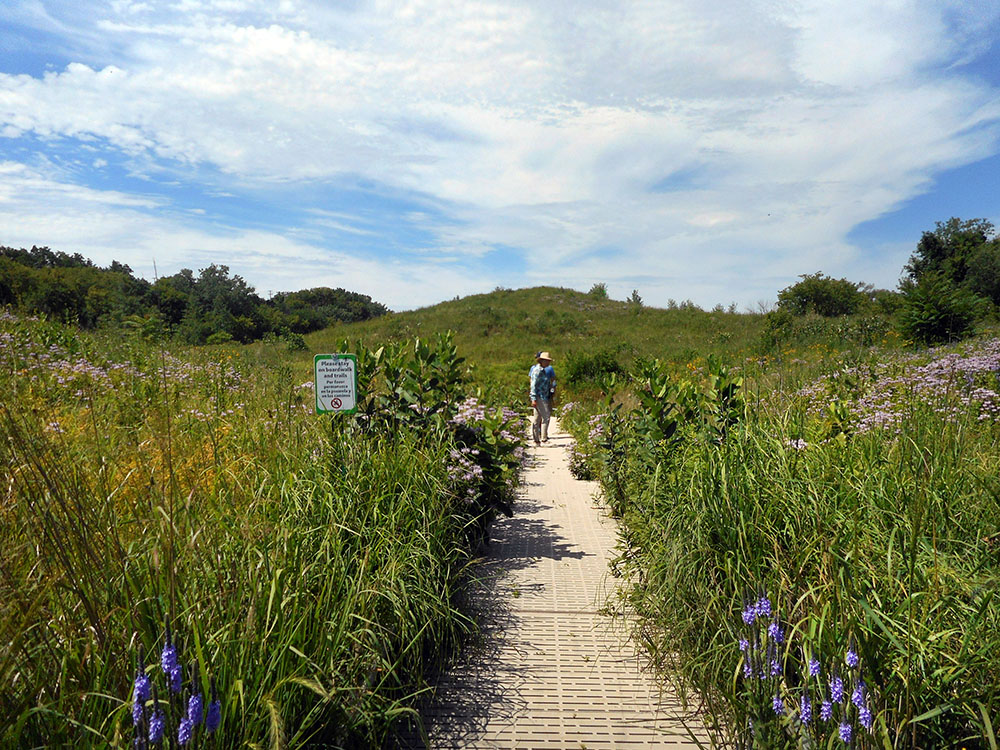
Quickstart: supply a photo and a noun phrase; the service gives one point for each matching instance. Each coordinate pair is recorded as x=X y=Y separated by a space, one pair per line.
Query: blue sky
x=416 y=150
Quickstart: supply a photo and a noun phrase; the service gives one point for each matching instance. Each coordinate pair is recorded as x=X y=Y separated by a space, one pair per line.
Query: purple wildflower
x=775 y=668
x=865 y=716
x=776 y=632
x=858 y=696
x=168 y=659
x=814 y=668
x=156 y=726
x=846 y=732
x=836 y=689
x=825 y=711
x=138 y=707
x=195 y=709
x=763 y=607
x=750 y=614
x=176 y=678
x=852 y=658
x=744 y=645
x=747 y=669
x=214 y=716
x=185 y=730
x=140 y=694
x=805 y=710
x=778 y=705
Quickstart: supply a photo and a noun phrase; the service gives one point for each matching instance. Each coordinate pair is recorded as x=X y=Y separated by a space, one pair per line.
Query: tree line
x=950 y=283
x=212 y=306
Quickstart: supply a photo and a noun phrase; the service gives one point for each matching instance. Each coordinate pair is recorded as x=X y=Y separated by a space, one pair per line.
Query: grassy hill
x=500 y=332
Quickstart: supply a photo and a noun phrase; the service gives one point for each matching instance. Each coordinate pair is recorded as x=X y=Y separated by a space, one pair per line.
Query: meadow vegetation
x=309 y=569
x=812 y=543
x=809 y=505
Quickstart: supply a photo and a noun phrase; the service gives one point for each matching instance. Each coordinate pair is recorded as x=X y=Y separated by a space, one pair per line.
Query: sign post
x=336 y=383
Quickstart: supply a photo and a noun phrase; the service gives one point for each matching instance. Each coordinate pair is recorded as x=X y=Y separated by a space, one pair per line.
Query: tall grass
x=308 y=565
x=875 y=531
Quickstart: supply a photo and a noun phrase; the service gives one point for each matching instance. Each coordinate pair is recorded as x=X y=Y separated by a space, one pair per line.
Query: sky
x=419 y=150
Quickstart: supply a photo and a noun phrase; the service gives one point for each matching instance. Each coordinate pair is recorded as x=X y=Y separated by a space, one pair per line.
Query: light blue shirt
x=543 y=382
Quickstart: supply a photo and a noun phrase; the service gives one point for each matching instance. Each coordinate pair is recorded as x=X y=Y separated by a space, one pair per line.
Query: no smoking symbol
x=336 y=403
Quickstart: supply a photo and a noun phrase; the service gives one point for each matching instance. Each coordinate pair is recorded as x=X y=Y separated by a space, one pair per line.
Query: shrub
x=599 y=291
x=821 y=295
x=592 y=368
x=935 y=310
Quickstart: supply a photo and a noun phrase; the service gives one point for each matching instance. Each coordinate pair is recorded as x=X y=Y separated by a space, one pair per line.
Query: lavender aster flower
x=836 y=689
x=846 y=732
x=156 y=726
x=825 y=711
x=185 y=730
x=805 y=710
x=195 y=709
x=778 y=705
x=214 y=716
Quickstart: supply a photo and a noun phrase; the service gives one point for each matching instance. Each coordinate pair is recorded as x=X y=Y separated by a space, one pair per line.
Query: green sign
x=336 y=383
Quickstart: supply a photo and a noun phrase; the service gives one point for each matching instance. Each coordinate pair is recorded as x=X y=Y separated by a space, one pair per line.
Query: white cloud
x=542 y=126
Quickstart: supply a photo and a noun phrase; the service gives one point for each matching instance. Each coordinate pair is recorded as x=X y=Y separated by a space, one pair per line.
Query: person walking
x=543 y=390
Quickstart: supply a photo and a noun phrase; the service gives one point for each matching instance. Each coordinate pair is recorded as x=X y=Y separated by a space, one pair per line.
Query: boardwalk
x=552 y=671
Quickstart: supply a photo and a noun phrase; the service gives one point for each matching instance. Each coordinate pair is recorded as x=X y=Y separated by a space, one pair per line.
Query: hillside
x=500 y=332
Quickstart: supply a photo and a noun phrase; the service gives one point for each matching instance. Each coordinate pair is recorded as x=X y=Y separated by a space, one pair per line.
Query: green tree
x=820 y=294
x=984 y=271
x=949 y=249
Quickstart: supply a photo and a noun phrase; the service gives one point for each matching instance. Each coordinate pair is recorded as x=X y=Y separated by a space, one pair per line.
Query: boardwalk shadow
x=483 y=688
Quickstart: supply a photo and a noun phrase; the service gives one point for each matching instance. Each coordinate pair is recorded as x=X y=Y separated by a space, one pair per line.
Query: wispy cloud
x=548 y=129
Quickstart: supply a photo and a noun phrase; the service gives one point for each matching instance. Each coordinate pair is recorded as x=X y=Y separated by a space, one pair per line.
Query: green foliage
x=936 y=311
x=822 y=295
x=859 y=533
x=948 y=251
x=599 y=291
x=314 y=565
x=984 y=271
x=581 y=367
x=212 y=305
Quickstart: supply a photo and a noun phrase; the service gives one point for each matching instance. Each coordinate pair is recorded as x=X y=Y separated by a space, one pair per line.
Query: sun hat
x=544 y=355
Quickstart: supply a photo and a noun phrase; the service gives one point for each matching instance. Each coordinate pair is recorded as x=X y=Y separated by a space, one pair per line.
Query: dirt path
x=551 y=671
